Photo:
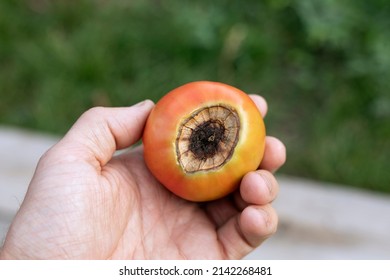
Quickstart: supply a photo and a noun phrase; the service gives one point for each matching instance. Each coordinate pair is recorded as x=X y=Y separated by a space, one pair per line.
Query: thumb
x=100 y=131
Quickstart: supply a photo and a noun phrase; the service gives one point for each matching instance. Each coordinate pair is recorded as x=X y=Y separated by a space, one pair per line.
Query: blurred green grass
x=322 y=65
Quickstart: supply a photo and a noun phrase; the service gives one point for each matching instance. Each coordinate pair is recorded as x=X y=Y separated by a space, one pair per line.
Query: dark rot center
x=206 y=140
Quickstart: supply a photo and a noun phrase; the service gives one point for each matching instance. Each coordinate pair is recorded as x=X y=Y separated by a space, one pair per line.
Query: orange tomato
x=202 y=138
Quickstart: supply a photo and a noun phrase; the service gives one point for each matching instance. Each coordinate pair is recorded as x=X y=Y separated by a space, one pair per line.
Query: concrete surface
x=317 y=220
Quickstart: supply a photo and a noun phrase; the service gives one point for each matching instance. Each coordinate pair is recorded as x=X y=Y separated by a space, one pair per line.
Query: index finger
x=260 y=103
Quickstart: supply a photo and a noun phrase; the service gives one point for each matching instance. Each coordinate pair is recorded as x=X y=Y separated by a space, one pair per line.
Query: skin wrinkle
x=90 y=139
x=113 y=141
x=239 y=202
x=78 y=237
x=267 y=218
x=238 y=229
x=42 y=227
x=182 y=236
x=103 y=202
x=127 y=236
x=161 y=221
x=167 y=223
x=222 y=248
x=116 y=247
x=130 y=230
x=106 y=128
x=160 y=218
x=114 y=125
x=133 y=202
x=222 y=242
x=109 y=177
x=216 y=212
x=143 y=211
x=267 y=181
x=271 y=223
x=135 y=119
x=266 y=177
x=172 y=239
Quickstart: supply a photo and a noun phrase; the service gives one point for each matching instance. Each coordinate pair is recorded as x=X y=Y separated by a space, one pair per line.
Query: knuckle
x=94 y=112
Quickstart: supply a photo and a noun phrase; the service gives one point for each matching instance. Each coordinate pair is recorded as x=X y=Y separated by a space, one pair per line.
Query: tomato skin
x=161 y=131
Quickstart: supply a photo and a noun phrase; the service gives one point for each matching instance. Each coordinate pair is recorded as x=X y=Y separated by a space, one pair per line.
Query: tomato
x=201 y=139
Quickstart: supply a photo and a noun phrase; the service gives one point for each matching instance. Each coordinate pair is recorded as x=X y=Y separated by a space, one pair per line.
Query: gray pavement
x=317 y=220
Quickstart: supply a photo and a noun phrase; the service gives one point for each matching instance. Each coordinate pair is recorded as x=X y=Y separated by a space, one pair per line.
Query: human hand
x=84 y=202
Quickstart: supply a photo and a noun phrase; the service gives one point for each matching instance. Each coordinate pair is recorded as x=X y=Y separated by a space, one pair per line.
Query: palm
x=118 y=212
x=155 y=216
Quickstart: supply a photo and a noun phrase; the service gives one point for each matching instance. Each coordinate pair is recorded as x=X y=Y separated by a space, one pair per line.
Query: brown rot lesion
x=207 y=138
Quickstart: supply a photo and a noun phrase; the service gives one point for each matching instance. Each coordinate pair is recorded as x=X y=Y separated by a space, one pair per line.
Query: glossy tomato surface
x=162 y=131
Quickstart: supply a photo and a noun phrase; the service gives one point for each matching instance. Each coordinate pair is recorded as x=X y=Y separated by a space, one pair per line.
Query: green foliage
x=323 y=66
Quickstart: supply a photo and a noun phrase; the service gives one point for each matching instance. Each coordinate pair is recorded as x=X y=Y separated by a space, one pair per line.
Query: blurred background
x=322 y=65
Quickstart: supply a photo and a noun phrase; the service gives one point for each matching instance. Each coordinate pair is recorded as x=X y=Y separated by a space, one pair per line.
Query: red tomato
x=202 y=138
